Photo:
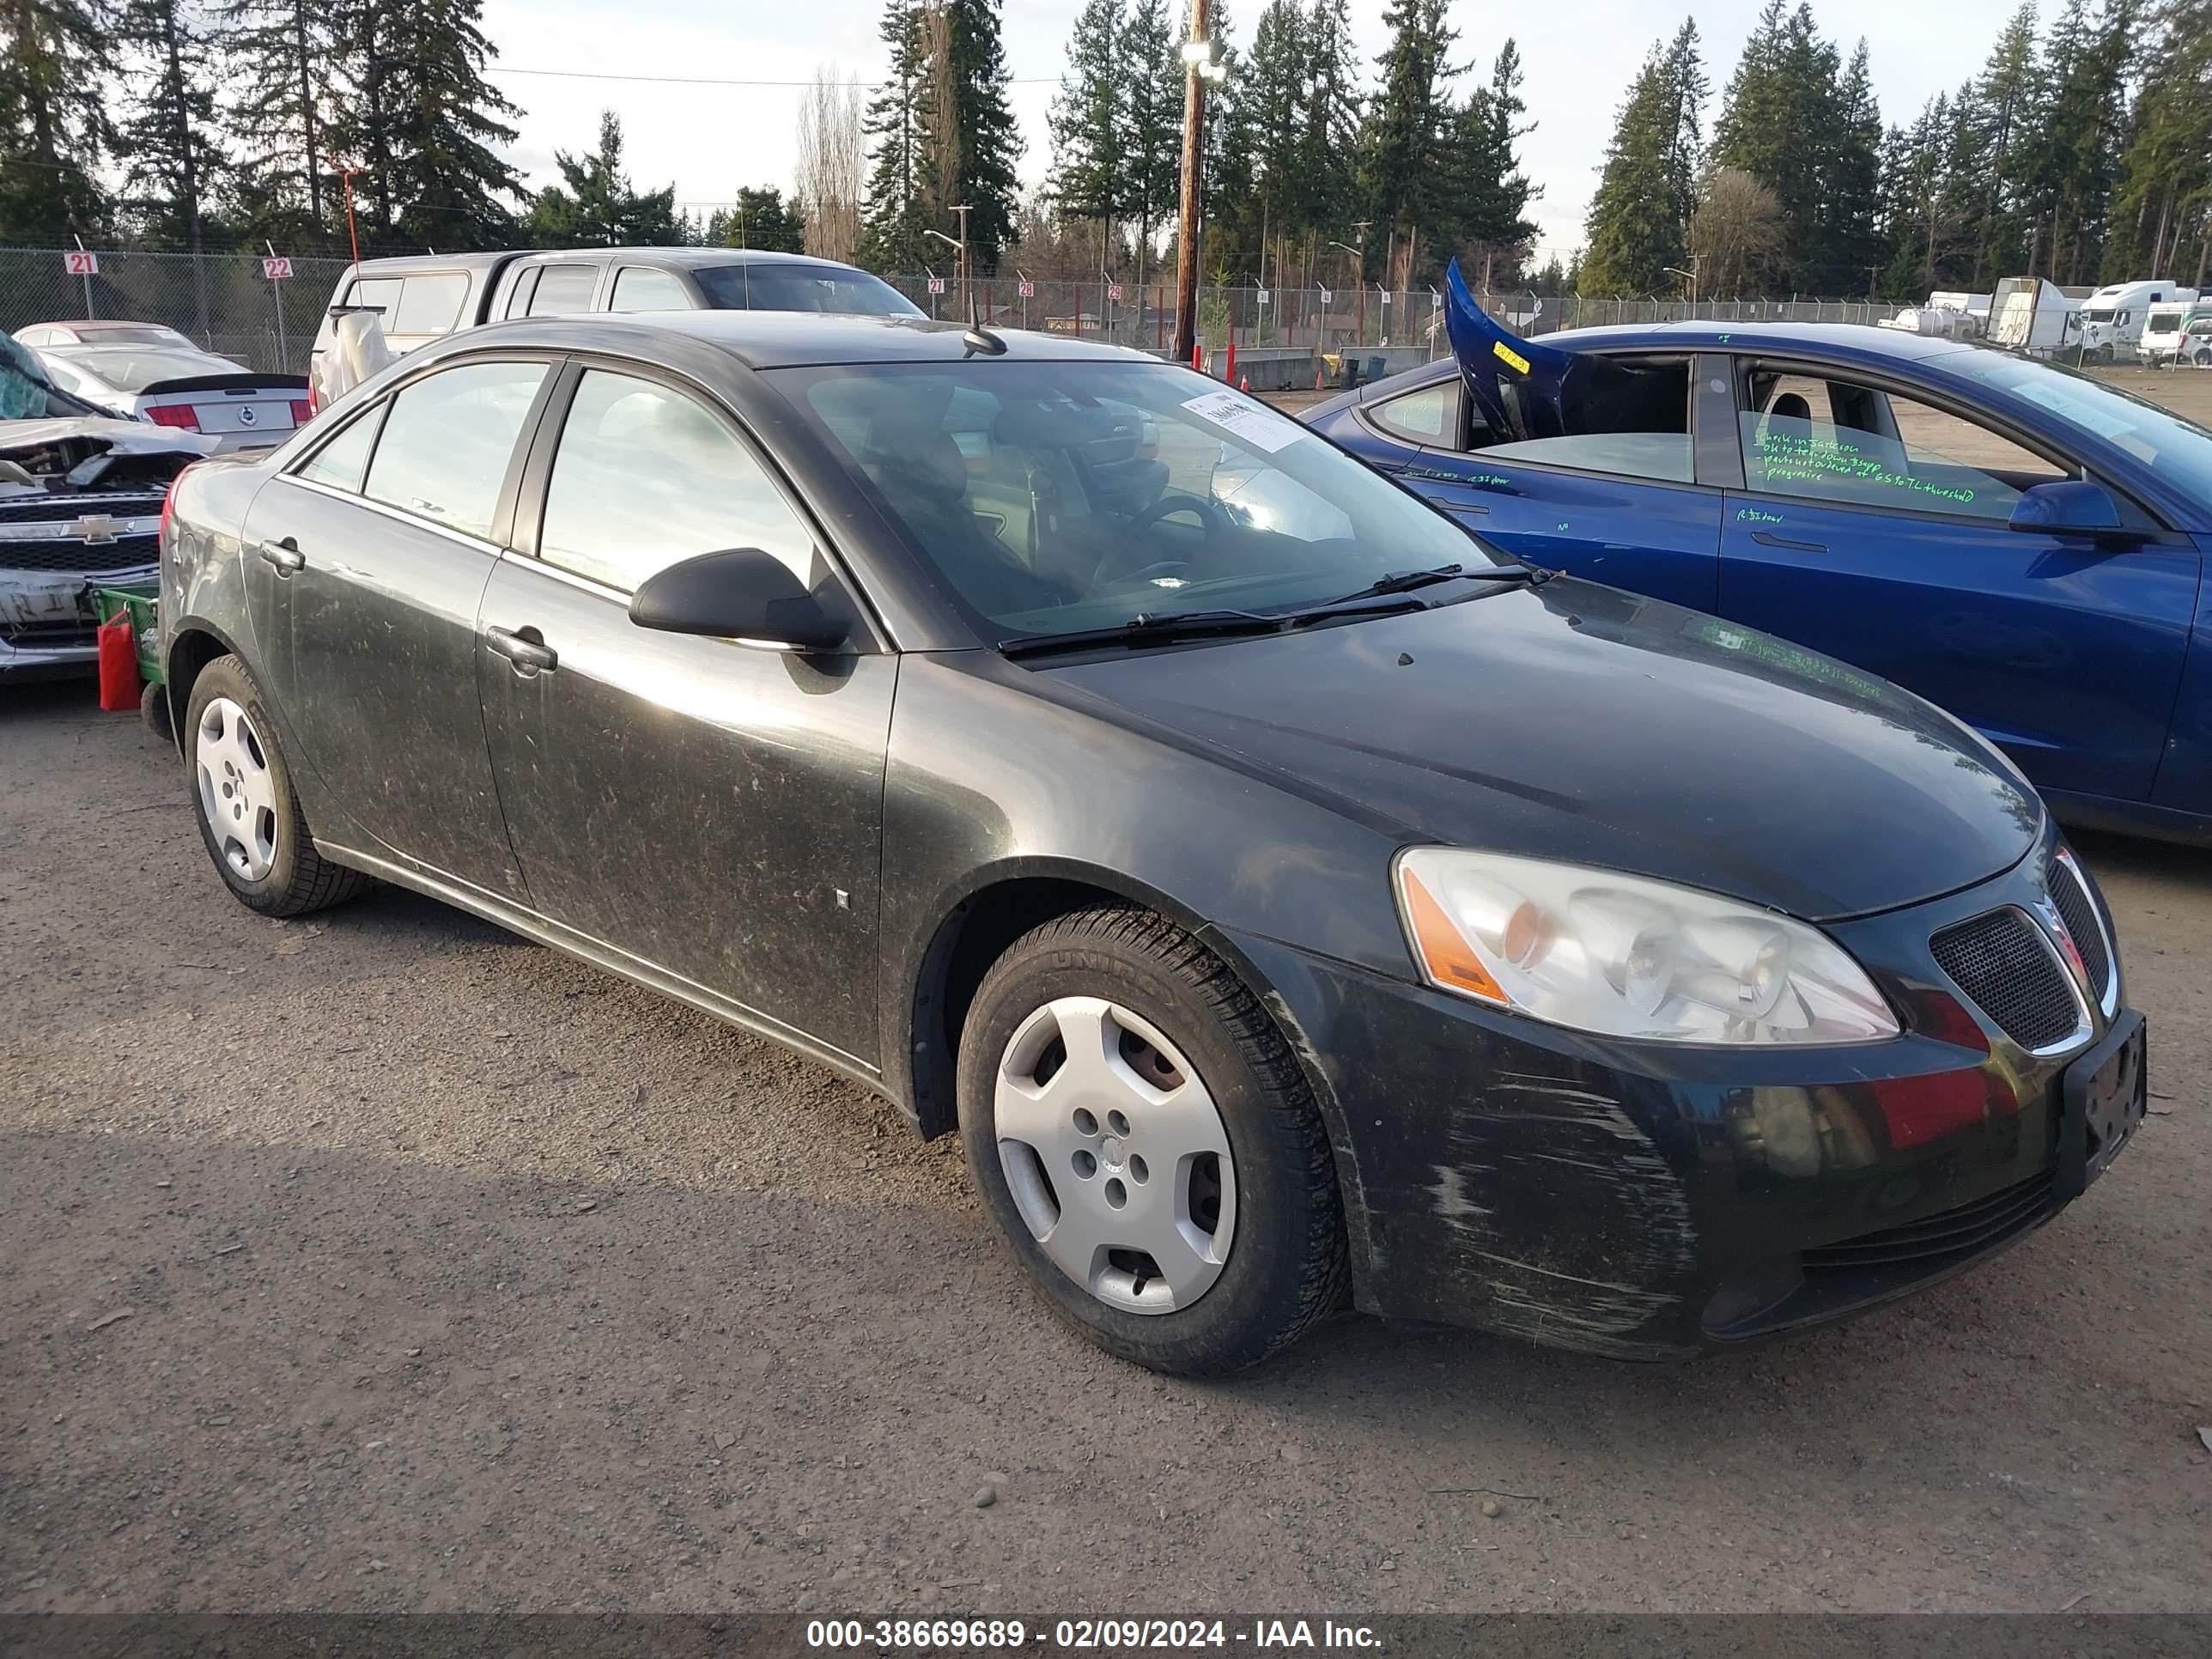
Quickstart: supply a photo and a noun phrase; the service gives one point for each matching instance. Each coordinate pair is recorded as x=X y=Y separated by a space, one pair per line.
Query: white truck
x=2034 y=317
x=2164 y=326
x=2113 y=317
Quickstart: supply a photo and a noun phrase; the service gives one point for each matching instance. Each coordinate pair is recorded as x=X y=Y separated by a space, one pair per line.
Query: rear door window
x=564 y=290
x=1429 y=417
x=641 y=288
x=341 y=463
x=428 y=304
x=447 y=440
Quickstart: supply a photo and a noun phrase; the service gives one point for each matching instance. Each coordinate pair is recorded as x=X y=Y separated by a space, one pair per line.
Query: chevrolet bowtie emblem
x=95 y=528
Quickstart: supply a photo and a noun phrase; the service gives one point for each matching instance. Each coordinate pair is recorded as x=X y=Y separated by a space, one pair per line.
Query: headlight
x=1629 y=957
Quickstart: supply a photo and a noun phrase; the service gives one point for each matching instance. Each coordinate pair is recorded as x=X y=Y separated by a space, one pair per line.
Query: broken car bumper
x=1652 y=1200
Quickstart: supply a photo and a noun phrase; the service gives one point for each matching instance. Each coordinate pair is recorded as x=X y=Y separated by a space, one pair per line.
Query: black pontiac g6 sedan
x=1287 y=898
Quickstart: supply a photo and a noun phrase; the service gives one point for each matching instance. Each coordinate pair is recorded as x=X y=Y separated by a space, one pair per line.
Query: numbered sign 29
x=937 y=285
x=80 y=262
x=276 y=269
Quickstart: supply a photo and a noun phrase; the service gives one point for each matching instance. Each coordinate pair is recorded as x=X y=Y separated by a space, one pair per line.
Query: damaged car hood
x=1580 y=723
x=80 y=447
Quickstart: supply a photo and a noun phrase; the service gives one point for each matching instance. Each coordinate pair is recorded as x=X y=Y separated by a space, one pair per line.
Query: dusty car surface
x=1283 y=895
x=81 y=498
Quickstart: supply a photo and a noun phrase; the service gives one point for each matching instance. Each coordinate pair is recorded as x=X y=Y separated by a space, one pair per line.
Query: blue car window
x=1668 y=456
x=1857 y=446
x=1429 y=417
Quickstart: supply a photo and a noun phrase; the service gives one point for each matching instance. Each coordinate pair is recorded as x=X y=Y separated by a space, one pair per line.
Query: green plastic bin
x=143 y=600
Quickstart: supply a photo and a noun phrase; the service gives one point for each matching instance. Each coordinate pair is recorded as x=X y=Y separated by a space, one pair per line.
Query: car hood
x=1581 y=723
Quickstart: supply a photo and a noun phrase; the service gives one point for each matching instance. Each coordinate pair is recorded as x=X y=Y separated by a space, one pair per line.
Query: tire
x=242 y=797
x=1262 y=1175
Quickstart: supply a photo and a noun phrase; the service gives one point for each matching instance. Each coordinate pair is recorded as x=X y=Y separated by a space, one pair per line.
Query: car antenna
x=977 y=338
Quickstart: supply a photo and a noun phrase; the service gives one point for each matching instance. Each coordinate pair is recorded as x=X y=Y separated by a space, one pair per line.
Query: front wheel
x=1142 y=1135
x=242 y=796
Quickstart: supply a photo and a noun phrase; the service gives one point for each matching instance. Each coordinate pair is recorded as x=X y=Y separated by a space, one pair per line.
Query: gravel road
x=382 y=1260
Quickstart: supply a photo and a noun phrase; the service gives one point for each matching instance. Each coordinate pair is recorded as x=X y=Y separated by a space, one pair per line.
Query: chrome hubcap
x=1115 y=1155
x=238 y=794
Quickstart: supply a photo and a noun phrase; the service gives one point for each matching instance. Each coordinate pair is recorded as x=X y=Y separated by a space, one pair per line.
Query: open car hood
x=1526 y=390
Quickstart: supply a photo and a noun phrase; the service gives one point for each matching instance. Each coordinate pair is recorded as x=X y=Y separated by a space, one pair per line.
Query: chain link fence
x=225 y=303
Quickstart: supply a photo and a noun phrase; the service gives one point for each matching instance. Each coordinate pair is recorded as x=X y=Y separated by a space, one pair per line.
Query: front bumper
x=1648 y=1200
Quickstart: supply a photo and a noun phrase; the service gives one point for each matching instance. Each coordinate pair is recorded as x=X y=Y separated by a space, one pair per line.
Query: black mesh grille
x=2081 y=917
x=52 y=509
x=124 y=553
x=2000 y=961
x=1966 y=1231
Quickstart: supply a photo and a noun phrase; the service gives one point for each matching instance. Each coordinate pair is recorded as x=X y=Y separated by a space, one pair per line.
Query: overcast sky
x=708 y=140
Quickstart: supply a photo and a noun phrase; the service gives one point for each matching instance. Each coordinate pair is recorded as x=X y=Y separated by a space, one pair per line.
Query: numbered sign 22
x=80 y=262
x=276 y=269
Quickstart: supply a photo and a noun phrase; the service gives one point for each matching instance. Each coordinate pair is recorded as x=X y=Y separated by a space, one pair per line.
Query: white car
x=184 y=388
x=92 y=332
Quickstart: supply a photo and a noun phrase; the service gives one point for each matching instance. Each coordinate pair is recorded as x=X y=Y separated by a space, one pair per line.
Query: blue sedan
x=2022 y=545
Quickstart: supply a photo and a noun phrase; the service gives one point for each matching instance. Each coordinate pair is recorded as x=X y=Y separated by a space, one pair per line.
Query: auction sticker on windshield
x=1242 y=418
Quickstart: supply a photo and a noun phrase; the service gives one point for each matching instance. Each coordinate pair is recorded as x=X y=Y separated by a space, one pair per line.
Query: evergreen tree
x=55 y=63
x=2008 y=97
x=1330 y=123
x=2164 y=205
x=897 y=214
x=977 y=158
x=426 y=125
x=1090 y=118
x=1275 y=104
x=1482 y=210
x=1399 y=179
x=2072 y=160
x=1777 y=123
x=166 y=136
x=1850 y=186
x=1639 y=218
x=761 y=219
x=1151 y=177
x=600 y=207
x=281 y=56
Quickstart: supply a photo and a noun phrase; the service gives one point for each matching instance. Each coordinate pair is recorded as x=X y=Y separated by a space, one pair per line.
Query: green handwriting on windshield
x=1792 y=457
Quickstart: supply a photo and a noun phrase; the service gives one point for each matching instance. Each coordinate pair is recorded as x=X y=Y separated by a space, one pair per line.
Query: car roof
x=788 y=339
x=1845 y=339
x=686 y=256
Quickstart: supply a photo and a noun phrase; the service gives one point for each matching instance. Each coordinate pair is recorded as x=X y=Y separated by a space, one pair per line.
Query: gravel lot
x=383 y=1260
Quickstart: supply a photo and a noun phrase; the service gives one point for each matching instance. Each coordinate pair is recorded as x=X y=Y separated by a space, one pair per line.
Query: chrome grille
x=2072 y=897
x=2001 y=963
x=81 y=558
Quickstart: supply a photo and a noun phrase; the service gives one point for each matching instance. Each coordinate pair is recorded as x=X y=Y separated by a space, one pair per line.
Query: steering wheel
x=1112 y=571
x=1211 y=513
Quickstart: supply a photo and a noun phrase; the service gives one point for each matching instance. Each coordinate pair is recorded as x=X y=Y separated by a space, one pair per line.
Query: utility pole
x=1199 y=66
x=963 y=209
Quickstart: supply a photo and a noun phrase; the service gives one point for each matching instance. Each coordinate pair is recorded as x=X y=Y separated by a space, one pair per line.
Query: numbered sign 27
x=937 y=285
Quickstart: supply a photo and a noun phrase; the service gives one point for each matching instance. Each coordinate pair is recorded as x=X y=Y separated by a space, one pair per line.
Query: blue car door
x=1623 y=507
x=1873 y=526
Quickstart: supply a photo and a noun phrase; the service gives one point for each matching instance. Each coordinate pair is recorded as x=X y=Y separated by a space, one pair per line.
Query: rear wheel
x=249 y=817
x=1144 y=1139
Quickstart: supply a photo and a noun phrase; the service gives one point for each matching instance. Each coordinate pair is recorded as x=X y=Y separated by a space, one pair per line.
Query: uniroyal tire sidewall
x=1236 y=1322
x=226 y=677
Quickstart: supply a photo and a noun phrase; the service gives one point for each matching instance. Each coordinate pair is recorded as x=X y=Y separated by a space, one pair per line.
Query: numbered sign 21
x=80 y=262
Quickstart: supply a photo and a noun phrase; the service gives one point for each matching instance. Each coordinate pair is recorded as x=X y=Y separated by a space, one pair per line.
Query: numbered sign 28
x=1029 y=290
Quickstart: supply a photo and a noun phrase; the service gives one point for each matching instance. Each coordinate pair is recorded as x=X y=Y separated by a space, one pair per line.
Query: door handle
x=529 y=656
x=285 y=555
x=1767 y=538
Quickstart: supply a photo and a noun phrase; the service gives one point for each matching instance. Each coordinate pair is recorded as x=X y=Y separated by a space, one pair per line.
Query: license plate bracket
x=2103 y=1096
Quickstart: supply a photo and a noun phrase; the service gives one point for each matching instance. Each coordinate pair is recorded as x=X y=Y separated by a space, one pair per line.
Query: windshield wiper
x=1158 y=628
x=1405 y=581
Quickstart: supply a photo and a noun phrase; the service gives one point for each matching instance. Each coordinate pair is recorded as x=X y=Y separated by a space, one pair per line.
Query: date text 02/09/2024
x=1084 y=1634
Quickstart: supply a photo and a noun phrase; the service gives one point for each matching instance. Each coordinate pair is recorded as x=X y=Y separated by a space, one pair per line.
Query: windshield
x=801 y=287
x=26 y=393
x=133 y=371
x=2179 y=450
x=1056 y=497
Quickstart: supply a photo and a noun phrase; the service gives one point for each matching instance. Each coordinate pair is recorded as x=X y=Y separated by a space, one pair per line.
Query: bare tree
x=1735 y=231
x=832 y=163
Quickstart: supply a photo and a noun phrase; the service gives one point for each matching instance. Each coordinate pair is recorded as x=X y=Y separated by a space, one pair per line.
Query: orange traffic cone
x=1318 y=372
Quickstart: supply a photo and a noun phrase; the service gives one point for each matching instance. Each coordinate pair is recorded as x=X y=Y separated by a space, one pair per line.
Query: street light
x=1360 y=282
x=1689 y=277
x=958 y=245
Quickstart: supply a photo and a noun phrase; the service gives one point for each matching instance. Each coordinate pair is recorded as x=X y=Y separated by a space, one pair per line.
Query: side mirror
x=740 y=594
x=2073 y=507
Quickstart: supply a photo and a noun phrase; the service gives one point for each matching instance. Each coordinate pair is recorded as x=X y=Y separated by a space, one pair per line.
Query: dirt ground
x=382 y=1260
